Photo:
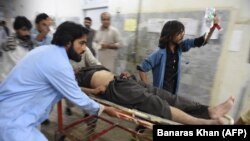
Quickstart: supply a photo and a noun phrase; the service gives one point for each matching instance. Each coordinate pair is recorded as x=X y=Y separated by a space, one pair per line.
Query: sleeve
x=117 y=37
x=3 y=39
x=200 y=41
x=149 y=62
x=63 y=81
x=46 y=41
x=33 y=38
x=187 y=44
x=10 y=44
x=96 y=42
x=90 y=59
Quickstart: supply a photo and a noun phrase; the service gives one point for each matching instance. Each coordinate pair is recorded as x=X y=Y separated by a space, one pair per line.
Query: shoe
x=46 y=122
x=68 y=111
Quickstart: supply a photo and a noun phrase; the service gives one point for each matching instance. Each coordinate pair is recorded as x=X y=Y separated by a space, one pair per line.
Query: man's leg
x=191 y=107
x=184 y=118
x=221 y=109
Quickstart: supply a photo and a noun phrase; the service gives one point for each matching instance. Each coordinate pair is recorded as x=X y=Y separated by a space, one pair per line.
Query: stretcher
x=131 y=115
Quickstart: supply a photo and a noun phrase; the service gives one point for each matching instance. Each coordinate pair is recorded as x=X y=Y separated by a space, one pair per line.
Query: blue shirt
x=46 y=40
x=157 y=62
x=42 y=78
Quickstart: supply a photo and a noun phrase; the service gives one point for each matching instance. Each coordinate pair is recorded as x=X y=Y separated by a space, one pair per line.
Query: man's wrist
x=102 y=108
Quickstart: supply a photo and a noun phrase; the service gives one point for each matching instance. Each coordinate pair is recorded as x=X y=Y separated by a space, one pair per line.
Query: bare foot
x=218 y=121
x=222 y=109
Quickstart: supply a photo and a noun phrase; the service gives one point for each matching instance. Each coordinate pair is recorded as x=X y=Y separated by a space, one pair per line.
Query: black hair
x=41 y=17
x=67 y=32
x=88 y=18
x=20 y=22
x=3 y=22
x=169 y=30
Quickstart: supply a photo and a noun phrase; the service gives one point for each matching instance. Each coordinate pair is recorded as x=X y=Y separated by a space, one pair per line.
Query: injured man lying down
x=126 y=91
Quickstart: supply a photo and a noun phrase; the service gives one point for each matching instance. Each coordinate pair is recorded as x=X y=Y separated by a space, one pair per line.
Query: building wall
x=54 y=8
x=148 y=6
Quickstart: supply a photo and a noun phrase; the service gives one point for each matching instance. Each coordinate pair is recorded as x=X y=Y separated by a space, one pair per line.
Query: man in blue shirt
x=165 y=62
x=42 y=78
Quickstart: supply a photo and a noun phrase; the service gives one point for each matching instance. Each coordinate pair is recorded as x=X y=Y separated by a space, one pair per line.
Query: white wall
x=54 y=8
x=131 y=6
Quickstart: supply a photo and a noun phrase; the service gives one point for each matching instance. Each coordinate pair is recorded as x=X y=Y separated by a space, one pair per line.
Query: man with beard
x=42 y=78
x=18 y=44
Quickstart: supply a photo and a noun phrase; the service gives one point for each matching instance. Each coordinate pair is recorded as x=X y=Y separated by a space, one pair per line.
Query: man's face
x=43 y=25
x=87 y=23
x=79 y=44
x=78 y=47
x=50 y=21
x=178 y=38
x=23 y=33
x=105 y=20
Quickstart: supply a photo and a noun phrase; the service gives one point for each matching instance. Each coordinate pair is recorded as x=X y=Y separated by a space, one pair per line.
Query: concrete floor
x=80 y=131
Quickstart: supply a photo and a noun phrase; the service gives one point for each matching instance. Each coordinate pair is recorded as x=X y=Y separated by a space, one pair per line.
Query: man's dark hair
x=170 y=29
x=88 y=18
x=41 y=17
x=20 y=22
x=67 y=32
x=3 y=22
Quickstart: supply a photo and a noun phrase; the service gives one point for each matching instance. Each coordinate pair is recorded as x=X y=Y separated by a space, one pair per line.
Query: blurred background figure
x=3 y=23
x=87 y=23
x=107 y=41
x=18 y=44
x=41 y=34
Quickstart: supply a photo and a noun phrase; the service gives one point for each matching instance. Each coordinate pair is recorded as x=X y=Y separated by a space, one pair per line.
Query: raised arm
x=210 y=33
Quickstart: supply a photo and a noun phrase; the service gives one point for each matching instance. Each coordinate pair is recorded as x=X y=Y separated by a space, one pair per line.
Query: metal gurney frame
x=131 y=115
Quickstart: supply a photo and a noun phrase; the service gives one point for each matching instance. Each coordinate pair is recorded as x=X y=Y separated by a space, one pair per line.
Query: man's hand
x=100 y=90
x=108 y=46
x=44 y=30
x=113 y=112
x=103 y=45
x=216 y=20
x=125 y=74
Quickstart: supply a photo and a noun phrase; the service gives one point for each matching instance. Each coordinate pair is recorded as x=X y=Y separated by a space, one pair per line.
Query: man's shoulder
x=159 y=50
x=34 y=31
x=51 y=56
x=53 y=52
